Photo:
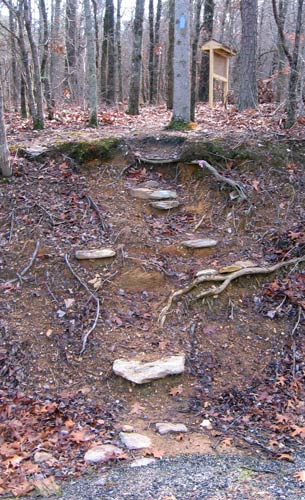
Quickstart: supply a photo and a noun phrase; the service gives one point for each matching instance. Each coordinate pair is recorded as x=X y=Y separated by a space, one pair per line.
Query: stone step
x=153 y=194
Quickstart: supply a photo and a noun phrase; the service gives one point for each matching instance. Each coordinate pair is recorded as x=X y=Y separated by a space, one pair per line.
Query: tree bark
x=151 y=50
x=135 y=81
x=155 y=96
x=111 y=65
x=91 y=65
x=5 y=164
x=56 y=53
x=14 y=60
x=70 y=60
x=44 y=60
x=194 y=58
x=248 y=87
x=170 y=55
x=119 y=51
x=182 y=97
x=207 y=32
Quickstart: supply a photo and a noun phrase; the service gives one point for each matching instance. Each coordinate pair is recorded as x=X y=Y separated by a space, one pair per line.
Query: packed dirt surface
x=244 y=347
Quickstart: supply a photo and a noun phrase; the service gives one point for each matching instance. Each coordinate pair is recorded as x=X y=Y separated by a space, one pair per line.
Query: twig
x=199 y=223
x=294 y=347
x=235 y=185
x=226 y=280
x=96 y=299
x=12 y=225
x=47 y=213
x=27 y=268
x=94 y=206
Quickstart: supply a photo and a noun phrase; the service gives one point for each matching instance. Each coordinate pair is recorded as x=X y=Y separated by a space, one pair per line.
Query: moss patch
x=86 y=151
x=181 y=125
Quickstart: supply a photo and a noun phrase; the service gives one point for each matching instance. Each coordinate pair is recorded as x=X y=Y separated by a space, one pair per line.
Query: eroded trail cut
x=164 y=222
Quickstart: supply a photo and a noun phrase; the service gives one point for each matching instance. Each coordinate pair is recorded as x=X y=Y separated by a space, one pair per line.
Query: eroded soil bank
x=244 y=347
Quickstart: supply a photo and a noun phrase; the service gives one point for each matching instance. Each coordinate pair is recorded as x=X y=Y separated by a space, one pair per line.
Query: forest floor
x=245 y=348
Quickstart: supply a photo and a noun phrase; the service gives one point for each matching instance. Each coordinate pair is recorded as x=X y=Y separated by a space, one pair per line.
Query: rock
x=142 y=462
x=36 y=151
x=165 y=205
x=206 y=424
x=163 y=194
x=141 y=372
x=127 y=428
x=245 y=263
x=135 y=441
x=103 y=453
x=99 y=253
x=206 y=272
x=150 y=194
x=150 y=184
x=44 y=456
x=203 y=243
x=166 y=427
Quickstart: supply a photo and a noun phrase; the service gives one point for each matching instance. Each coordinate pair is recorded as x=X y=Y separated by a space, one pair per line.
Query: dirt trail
x=230 y=341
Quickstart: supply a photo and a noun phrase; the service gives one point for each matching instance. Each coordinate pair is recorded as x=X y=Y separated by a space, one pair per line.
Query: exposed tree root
x=158 y=161
x=235 y=185
x=225 y=279
x=96 y=299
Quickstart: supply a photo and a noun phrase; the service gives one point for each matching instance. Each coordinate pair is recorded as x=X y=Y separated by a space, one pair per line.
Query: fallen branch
x=96 y=299
x=226 y=280
x=235 y=185
x=94 y=206
x=27 y=268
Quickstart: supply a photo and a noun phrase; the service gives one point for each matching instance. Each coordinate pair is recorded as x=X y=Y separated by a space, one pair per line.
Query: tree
x=182 y=103
x=44 y=60
x=170 y=54
x=108 y=65
x=151 y=50
x=194 y=57
x=70 y=60
x=91 y=65
x=135 y=80
x=207 y=33
x=247 y=97
x=119 y=50
x=5 y=164
x=293 y=58
x=155 y=90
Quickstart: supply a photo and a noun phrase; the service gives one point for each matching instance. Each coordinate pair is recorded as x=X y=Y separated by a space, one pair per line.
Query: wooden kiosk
x=219 y=66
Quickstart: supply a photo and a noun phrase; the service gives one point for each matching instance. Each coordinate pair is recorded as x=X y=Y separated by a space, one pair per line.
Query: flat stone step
x=135 y=441
x=200 y=243
x=98 y=253
x=153 y=194
x=167 y=427
x=141 y=372
x=166 y=204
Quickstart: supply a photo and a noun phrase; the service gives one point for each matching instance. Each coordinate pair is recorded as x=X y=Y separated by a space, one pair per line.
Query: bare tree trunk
x=156 y=52
x=119 y=51
x=5 y=164
x=194 y=58
x=170 y=54
x=280 y=84
x=135 y=81
x=182 y=97
x=14 y=60
x=96 y=32
x=223 y=20
x=111 y=65
x=293 y=59
x=23 y=109
x=151 y=50
x=91 y=65
x=56 y=50
x=248 y=87
x=36 y=67
x=44 y=60
x=208 y=25
x=104 y=59
x=70 y=61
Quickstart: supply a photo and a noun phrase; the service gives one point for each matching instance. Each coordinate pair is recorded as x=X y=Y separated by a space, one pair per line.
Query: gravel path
x=194 y=478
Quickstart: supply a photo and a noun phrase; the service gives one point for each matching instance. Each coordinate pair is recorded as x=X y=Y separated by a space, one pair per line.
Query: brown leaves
x=136 y=409
x=300 y=475
x=174 y=391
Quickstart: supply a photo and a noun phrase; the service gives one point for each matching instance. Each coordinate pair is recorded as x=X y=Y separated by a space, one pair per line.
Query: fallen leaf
x=255 y=184
x=300 y=475
x=69 y=303
x=80 y=436
x=47 y=487
x=174 y=391
x=136 y=409
x=22 y=488
x=285 y=456
x=155 y=452
x=227 y=442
